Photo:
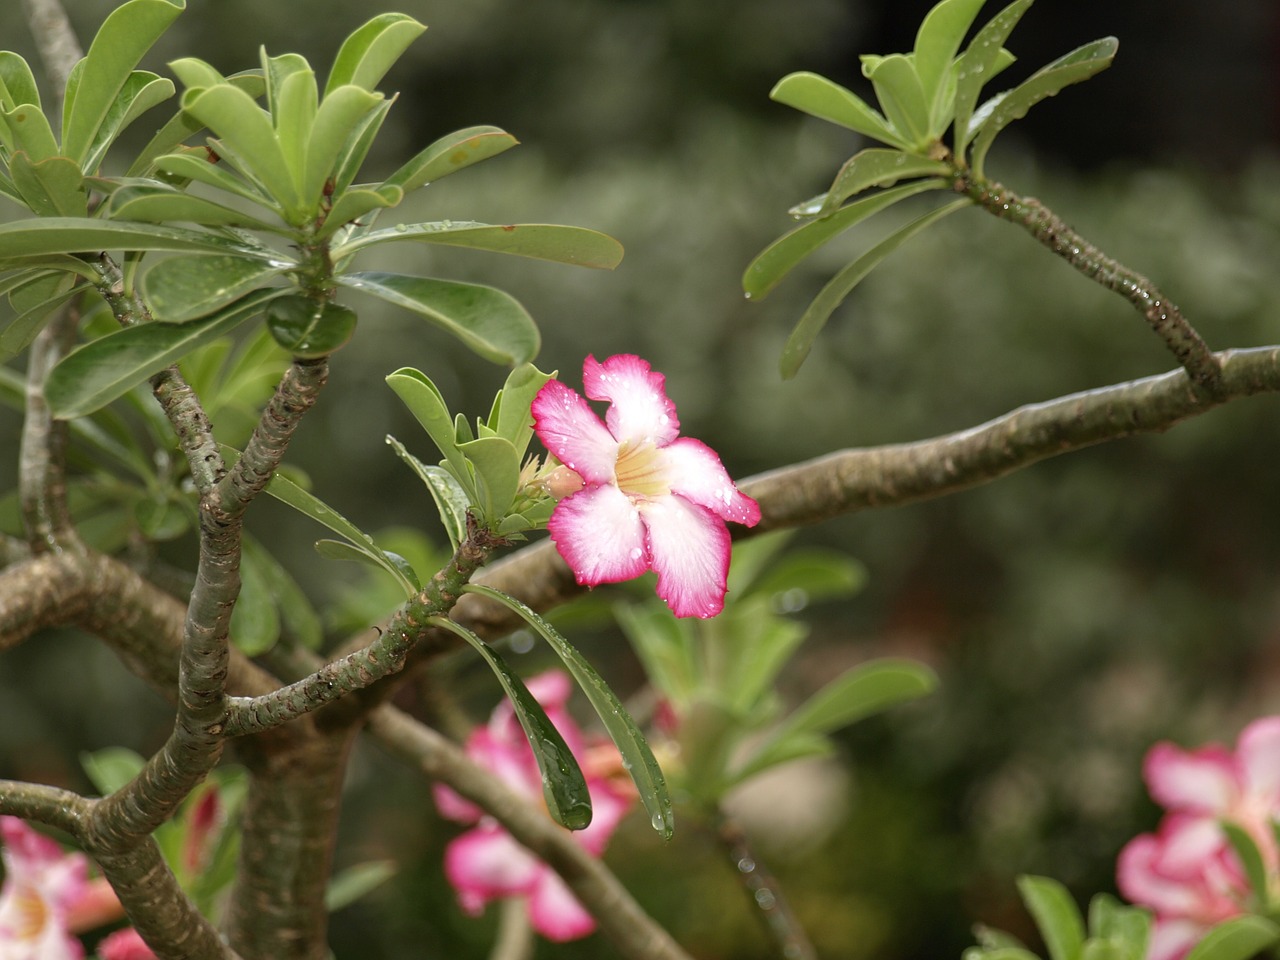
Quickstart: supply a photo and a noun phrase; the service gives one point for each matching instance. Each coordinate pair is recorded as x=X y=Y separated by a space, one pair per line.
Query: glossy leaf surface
x=826 y=100
x=977 y=66
x=450 y=499
x=541 y=241
x=451 y=153
x=184 y=288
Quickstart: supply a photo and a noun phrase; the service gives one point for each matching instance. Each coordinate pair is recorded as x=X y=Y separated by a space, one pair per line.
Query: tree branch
x=55 y=39
x=1051 y=230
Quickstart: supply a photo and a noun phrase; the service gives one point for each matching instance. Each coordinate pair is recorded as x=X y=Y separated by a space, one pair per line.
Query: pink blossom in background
x=1187 y=872
x=486 y=863
x=124 y=944
x=650 y=499
x=41 y=884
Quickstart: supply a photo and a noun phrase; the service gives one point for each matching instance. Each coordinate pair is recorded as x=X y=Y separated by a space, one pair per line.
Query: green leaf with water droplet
x=541 y=241
x=450 y=499
x=878 y=167
x=977 y=65
x=563 y=786
x=1080 y=64
x=180 y=289
x=163 y=204
x=840 y=286
x=514 y=419
x=489 y=321
x=637 y=758
x=937 y=41
x=826 y=100
x=425 y=402
x=307 y=328
x=778 y=259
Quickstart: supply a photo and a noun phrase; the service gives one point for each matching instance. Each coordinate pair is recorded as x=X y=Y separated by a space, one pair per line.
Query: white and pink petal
x=689 y=549
x=1258 y=759
x=570 y=429
x=599 y=533
x=1198 y=781
x=485 y=863
x=694 y=471
x=555 y=912
x=639 y=409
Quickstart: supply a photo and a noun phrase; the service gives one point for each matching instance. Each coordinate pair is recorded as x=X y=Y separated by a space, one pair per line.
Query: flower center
x=639 y=470
x=32 y=913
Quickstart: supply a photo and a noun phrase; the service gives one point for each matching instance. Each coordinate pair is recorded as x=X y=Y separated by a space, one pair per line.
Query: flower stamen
x=639 y=470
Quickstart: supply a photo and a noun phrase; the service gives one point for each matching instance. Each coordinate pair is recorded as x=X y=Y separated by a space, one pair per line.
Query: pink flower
x=126 y=944
x=1187 y=872
x=41 y=886
x=486 y=863
x=651 y=500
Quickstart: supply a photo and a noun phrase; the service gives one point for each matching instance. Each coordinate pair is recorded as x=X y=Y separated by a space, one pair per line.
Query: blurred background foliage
x=1076 y=611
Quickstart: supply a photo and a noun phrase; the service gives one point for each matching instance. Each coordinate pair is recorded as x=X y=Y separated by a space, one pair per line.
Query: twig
x=765 y=893
x=1051 y=230
x=56 y=40
x=515 y=935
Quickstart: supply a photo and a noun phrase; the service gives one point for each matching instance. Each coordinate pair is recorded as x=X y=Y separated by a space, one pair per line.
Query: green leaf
x=840 y=286
x=98 y=372
x=338 y=119
x=978 y=65
x=54 y=187
x=763 y=645
x=17 y=82
x=879 y=168
x=496 y=467
x=31 y=133
x=489 y=321
x=310 y=329
x=357 y=148
x=164 y=204
x=451 y=153
x=111 y=768
x=296 y=614
x=637 y=758
x=515 y=421
x=425 y=402
x=1237 y=939
x=821 y=98
x=181 y=125
x=127 y=33
x=1246 y=849
x=142 y=91
x=180 y=289
x=369 y=52
x=1056 y=914
x=349 y=885
x=247 y=138
x=286 y=491
x=901 y=98
x=355 y=203
x=1080 y=64
x=665 y=646
x=27 y=239
x=773 y=263
x=818 y=574
x=292 y=100
x=341 y=550
x=541 y=241
x=255 y=623
x=450 y=498
x=22 y=329
x=198 y=166
x=1111 y=920
x=563 y=786
x=936 y=44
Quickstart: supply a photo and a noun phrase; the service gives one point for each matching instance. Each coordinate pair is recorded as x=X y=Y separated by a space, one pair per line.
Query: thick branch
x=55 y=39
x=633 y=932
x=1051 y=230
x=42 y=479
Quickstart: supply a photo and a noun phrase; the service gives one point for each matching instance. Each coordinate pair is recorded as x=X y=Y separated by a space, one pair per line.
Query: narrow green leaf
x=22 y=329
x=637 y=758
x=111 y=768
x=496 y=467
x=450 y=498
x=198 y=166
x=29 y=239
x=180 y=289
x=541 y=241
x=17 y=82
x=127 y=33
x=54 y=187
x=357 y=148
x=141 y=91
x=489 y=321
x=349 y=885
x=338 y=119
x=297 y=615
x=255 y=622
x=936 y=44
x=164 y=204
x=369 y=52
x=515 y=421
x=878 y=168
x=286 y=491
x=1056 y=914
x=821 y=98
x=563 y=786
x=763 y=645
x=451 y=153
x=293 y=112
x=773 y=263
x=902 y=99
x=100 y=371
x=1237 y=939
x=171 y=135
x=1246 y=849
x=1080 y=64
x=425 y=402
x=664 y=645
x=840 y=286
x=977 y=65
x=248 y=139
x=815 y=573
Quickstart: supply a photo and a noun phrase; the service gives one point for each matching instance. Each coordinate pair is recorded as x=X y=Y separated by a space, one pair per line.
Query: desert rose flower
x=1187 y=872
x=650 y=499
x=124 y=944
x=486 y=863
x=42 y=883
